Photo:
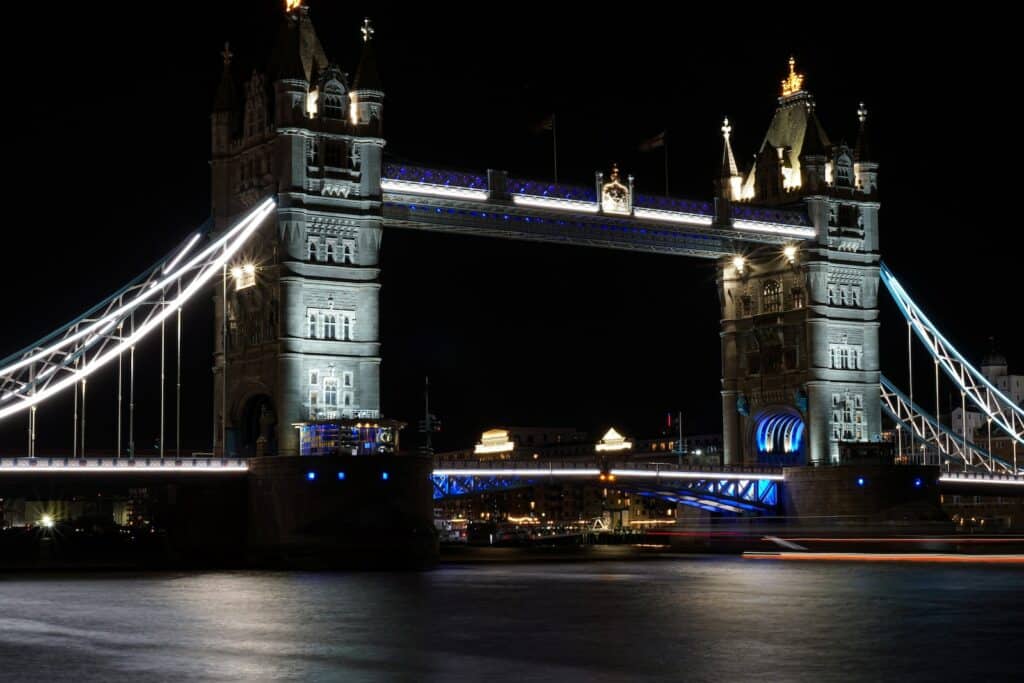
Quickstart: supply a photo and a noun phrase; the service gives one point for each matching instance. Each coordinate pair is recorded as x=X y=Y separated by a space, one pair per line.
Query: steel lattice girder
x=1001 y=408
x=924 y=426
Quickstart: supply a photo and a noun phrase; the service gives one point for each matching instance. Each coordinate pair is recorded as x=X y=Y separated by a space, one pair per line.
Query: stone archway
x=779 y=436
x=258 y=419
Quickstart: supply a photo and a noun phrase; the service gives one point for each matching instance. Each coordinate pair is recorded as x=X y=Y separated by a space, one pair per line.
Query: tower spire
x=226 y=91
x=794 y=83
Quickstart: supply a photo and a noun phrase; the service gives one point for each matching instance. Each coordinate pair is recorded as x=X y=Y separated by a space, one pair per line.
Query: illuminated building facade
x=800 y=368
x=300 y=338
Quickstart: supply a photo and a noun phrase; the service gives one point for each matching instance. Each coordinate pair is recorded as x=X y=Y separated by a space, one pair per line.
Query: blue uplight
x=310 y=476
x=918 y=483
x=384 y=476
x=341 y=476
x=861 y=481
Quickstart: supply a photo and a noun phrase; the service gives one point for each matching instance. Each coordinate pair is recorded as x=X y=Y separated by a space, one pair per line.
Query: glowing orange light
x=292 y=5
x=794 y=83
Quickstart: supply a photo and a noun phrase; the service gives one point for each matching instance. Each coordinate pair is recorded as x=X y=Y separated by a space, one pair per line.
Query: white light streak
x=119 y=313
x=122 y=469
x=410 y=187
x=181 y=254
x=664 y=474
x=980 y=480
x=517 y=473
x=775 y=228
x=672 y=216
x=227 y=247
x=556 y=203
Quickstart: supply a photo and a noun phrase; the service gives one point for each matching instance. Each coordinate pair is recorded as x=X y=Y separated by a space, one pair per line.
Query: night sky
x=107 y=164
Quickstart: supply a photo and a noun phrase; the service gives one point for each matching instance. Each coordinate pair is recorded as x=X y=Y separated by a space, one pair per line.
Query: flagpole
x=666 y=162
x=554 y=143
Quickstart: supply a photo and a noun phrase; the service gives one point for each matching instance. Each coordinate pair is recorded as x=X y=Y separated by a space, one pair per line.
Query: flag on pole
x=547 y=123
x=653 y=143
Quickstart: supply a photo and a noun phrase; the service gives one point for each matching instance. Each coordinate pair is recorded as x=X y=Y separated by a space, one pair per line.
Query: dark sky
x=107 y=166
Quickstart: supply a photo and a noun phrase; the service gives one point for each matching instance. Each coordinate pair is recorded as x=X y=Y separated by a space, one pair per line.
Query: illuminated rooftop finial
x=367 y=30
x=726 y=128
x=862 y=113
x=227 y=54
x=795 y=82
x=292 y=5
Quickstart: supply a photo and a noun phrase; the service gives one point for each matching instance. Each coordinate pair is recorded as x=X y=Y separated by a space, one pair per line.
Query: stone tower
x=301 y=338
x=800 y=365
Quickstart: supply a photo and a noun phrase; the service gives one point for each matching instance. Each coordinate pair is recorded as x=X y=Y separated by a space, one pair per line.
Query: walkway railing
x=122 y=465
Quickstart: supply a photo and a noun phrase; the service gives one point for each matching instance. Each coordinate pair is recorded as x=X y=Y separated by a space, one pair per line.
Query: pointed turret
x=728 y=186
x=865 y=168
x=367 y=92
x=224 y=106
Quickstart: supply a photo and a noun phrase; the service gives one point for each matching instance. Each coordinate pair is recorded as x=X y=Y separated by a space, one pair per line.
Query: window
x=329 y=326
x=798 y=297
x=314 y=404
x=331 y=393
x=844 y=294
x=831 y=295
x=314 y=377
x=845 y=356
x=314 y=252
x=333 y=154
x=333 y=107
x=348 y=251
x=746 y=305
x=346 y=380
x=772 y=296
x=855 y=296
x=312 y=325
x=329 y=254
x=847 y=417
x=346 y=399
x=346 y=327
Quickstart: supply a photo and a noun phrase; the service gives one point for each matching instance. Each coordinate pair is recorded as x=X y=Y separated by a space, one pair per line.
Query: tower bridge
x=303 y=196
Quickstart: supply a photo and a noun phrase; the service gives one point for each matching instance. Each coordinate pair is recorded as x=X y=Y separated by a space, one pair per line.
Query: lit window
x=346 y=328
x=772 y=296
x=312 y=325
x=798 y=297
x=329 y=326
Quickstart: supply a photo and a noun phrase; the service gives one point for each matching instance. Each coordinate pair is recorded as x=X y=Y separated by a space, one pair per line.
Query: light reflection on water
x=688 y=619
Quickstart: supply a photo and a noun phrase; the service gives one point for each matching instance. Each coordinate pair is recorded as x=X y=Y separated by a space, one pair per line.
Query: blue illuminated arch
x=779 y=436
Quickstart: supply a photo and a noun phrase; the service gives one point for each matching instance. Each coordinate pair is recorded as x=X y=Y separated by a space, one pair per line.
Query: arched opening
x=258 y=419
x=779 y=436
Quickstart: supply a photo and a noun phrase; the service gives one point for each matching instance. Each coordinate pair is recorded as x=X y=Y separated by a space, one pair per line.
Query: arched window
x=346 y=328
x=772 y=296
x=330 y=253
x=314 y=404
x=348 y=252
x=333 y=107
x=312 y=325
x=348 y=399
x=329 y=326
x=798 y=297
x=331 y=393
x=314 y=254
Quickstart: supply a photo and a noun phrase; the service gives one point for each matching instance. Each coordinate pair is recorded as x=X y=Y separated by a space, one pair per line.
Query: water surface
x=699 y=619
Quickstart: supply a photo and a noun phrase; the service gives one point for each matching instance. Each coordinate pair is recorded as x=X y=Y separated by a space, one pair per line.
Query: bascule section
x=800 y=368
x=297 y=351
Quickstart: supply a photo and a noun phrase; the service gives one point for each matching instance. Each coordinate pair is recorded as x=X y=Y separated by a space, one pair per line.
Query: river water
x=699 y=619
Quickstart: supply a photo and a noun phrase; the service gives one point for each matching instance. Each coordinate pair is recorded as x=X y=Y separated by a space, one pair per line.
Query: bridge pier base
x=343 y=512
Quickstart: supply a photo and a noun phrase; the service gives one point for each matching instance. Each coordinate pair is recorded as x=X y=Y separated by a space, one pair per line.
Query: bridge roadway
x=728 y=489
x=494 y=205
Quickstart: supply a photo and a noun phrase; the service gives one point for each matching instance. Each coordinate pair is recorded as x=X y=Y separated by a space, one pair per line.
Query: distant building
x=995 y=369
